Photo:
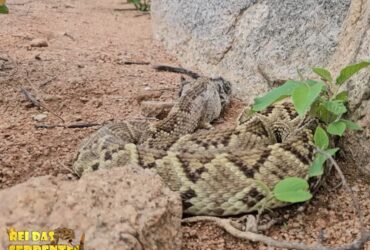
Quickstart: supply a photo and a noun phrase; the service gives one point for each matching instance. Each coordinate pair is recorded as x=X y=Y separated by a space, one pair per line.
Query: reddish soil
x=81 y=77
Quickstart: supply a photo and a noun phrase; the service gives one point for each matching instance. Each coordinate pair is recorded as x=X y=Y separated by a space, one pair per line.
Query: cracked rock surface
x=230 y=38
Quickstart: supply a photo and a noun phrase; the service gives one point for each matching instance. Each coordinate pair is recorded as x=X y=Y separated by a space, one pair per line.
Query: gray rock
x=230 y=38
x=354 y=46
x=126 y=208
x=233 y=39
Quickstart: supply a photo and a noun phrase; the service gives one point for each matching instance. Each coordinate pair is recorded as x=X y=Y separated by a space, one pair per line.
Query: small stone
x=355 y=189
x=295 y=225
x=84 y=99
x=39 y=42
x=40 y=117
x=322 y=223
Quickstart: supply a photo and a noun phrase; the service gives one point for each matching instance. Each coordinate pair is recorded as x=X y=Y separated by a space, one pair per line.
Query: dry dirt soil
x=81 y=77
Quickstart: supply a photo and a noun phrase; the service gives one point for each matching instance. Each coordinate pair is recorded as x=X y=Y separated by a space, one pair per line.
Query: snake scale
x=217 y=172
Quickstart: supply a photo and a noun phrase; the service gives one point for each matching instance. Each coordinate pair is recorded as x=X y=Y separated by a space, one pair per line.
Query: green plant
x=142 y=5
x=320 y=100
x=3 y=8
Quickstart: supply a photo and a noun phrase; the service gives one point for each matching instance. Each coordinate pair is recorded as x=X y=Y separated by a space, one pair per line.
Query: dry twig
x=30 y=97
x=39 y=100
x=47 y=82
x=35 y=101
x=255 y=237
x=75 y=125
x=135 y=63
x=121 y=9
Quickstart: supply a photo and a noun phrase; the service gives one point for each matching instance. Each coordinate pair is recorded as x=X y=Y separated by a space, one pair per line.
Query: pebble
x=39 y=42
x=356 y=188
x=84 y=99
x=40 y=117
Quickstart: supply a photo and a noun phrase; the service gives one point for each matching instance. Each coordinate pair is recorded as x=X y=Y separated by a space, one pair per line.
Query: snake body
x=217 y=172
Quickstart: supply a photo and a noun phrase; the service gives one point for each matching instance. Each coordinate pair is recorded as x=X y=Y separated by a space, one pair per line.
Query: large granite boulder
x=122 y=208
x=239 y=39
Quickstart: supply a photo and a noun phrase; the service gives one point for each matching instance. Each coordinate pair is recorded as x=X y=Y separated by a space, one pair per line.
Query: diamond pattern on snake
x=218 y=171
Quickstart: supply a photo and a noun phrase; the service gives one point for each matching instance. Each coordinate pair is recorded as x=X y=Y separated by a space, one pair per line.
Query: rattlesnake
x=217 y=172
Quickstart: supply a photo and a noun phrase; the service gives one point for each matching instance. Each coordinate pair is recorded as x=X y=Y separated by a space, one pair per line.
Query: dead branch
x=47 y=82
x=69 y=36
x=35 y=101
x=41 y=102
x=121 y=9
x=135 y=63
x=30 y=97
x=142 y=14
x=76 y=125
x=255 y=237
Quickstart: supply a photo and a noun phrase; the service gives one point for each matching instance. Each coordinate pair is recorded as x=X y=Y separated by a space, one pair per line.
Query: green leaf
x=323 y=73
x=336 y=107
x=319 y=111
x=337 y=128
x=332 y=151
x=304 y=95
x=342 y=96
x=300 y=99
x=316 y=167
x=274 y=95
x=321 y=138
x=4 y=9
x=351 y=125
x=292 y=189
x=350 y=70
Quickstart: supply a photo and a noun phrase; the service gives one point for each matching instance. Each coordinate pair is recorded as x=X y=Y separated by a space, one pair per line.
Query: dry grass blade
x=30 y=97
x=76 y=125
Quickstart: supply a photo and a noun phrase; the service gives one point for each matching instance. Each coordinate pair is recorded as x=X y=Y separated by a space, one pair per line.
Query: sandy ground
x=81 y=77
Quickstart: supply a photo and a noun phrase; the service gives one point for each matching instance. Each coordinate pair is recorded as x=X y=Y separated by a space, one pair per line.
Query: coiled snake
x=217 y=172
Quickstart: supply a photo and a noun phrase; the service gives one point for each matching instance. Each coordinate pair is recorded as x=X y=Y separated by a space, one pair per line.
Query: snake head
x=224 y=91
